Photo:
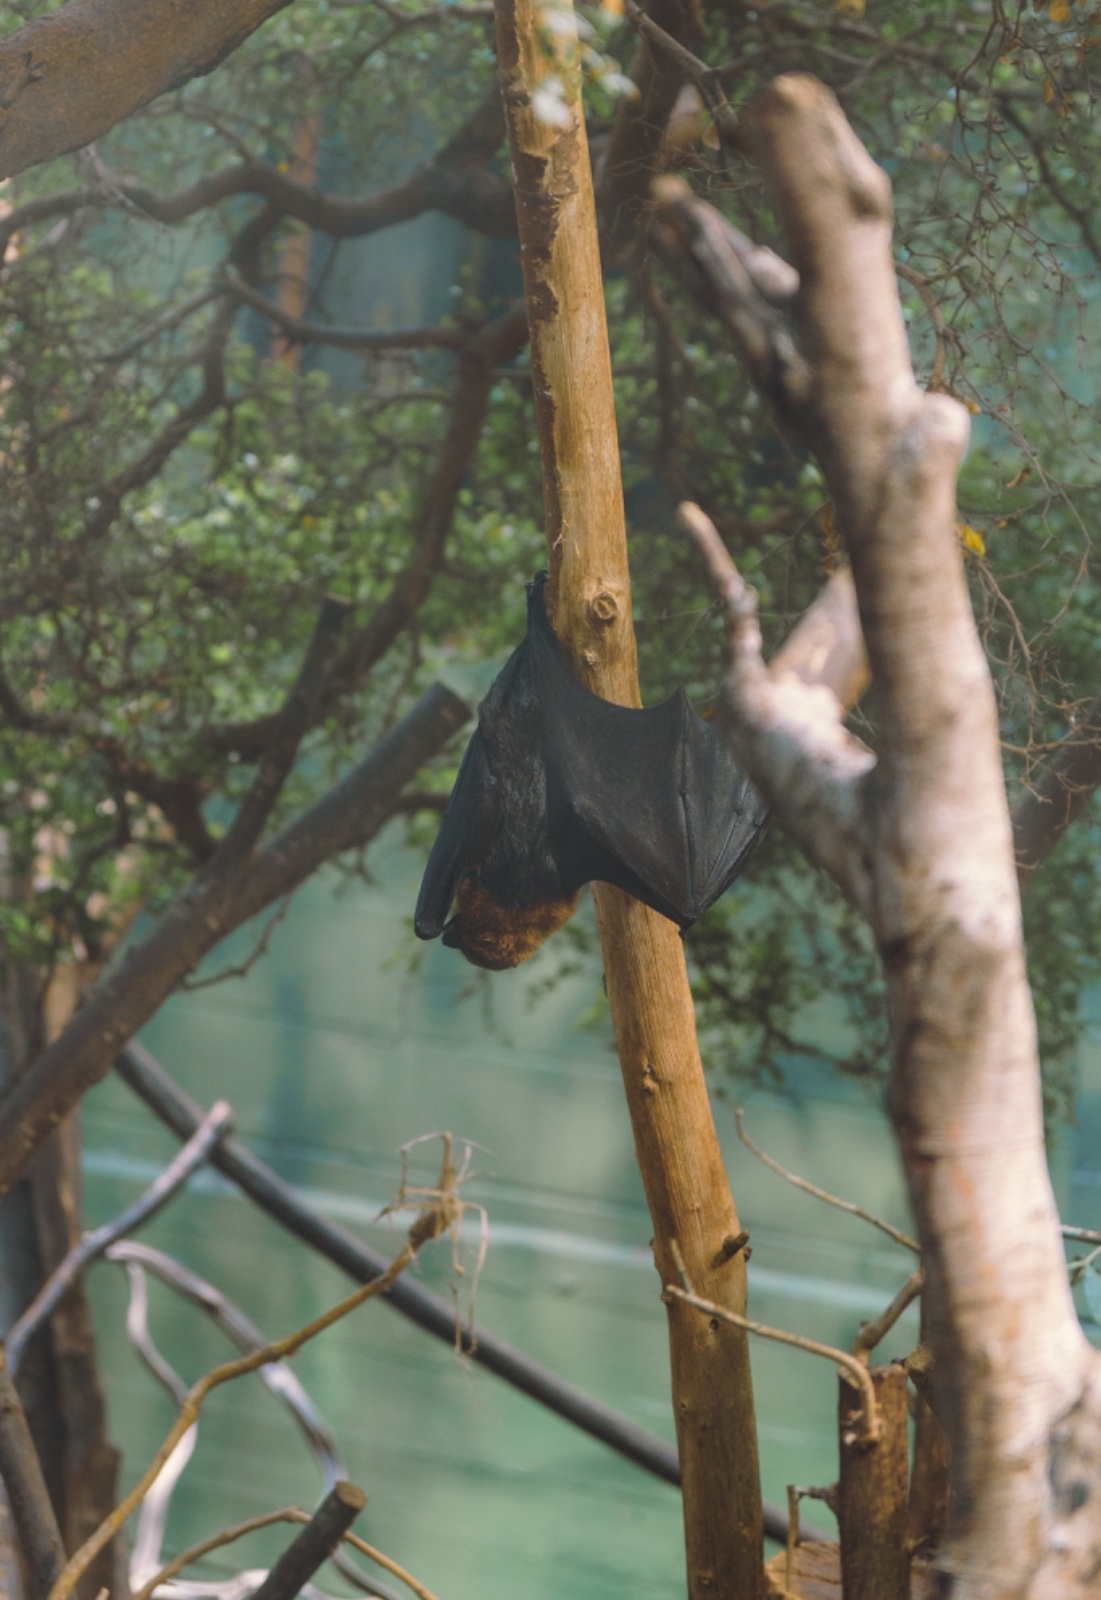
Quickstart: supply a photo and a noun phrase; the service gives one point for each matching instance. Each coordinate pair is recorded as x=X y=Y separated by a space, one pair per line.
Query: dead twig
x=872 y=1332
x=706 y=79
x=216 y=1542
x=822 y=1194
x=218 y=1121
x=197 y=1394
x=419 y=1589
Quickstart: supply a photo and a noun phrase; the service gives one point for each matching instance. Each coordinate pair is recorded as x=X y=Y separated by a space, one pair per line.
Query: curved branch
x=499 y=341
x=455 y=181
x=205 y=912
x=67 y=77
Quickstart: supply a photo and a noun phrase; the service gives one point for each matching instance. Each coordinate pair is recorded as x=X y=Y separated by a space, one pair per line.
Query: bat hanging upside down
x=559 y=788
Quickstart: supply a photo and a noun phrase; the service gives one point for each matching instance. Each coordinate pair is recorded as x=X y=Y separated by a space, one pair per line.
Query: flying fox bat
x=559 y=788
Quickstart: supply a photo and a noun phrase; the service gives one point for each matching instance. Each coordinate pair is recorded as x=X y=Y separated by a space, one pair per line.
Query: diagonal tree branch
x=787 y=731
x=303 y=332
x=498 y=341
x=288 y=730
x=215 y=903
x=456 y=181
x=69 y=76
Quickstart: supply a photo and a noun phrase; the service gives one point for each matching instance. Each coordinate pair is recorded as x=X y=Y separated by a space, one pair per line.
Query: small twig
x=315 y=1544
x=822 y=1194
x=290 y=727
x=872 y=1332
x=301 y=332
x=243 y=968
x=706 y=79
x=855 y=1370
x=1082 y=1235
x=189 y=1411
x=940 y=328
x=216 y=1542
x=31 y=1509
x=218 y=1121
x=419 y=1589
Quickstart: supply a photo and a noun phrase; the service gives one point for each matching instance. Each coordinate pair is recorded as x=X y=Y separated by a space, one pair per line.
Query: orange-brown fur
x=491 y=936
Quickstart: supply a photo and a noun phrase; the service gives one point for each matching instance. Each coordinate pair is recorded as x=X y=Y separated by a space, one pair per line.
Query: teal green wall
x=333 y=1054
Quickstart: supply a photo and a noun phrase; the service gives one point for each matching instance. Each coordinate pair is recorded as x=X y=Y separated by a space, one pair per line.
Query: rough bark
x=31 y=1511
x=919 y=838
x=871 y=1492
x=686 y=1186
x=67 y=77
x=207 y=911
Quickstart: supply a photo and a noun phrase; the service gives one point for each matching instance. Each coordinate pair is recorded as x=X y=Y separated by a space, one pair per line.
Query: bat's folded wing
x=649 y=800
x=462 y=842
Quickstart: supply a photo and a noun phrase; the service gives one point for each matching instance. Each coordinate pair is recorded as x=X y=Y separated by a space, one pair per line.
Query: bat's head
x=495 y=936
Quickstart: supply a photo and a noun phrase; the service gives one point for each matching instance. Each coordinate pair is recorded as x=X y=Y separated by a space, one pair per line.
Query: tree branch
x=69 y=76
x=788 y=734
x=302 y=332
x=168 y=1183
x=456 y=181
x=498 y=341
x=204 y=913
x=924 y=846
x=290 y=727
x=314 y=1544
x=31 y=1508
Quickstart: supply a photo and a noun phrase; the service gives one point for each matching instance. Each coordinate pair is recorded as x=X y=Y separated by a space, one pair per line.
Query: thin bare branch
x=419 y=1589
x=872 y=1333
x=218 y=1121
x=707 y=80
x=304 y=332
x=823 y=1194
x=854 y=1369
x=291 y=725
x=197 y=1394
x=204 y=913
x=312 y=1547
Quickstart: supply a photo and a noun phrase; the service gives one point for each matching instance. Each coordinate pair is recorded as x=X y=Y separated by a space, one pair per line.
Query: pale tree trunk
x=918 y=836
x=647 y=984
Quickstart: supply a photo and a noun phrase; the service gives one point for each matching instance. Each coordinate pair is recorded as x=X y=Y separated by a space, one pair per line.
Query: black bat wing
x=559 y=788
x=649 y=800
x=465 y=836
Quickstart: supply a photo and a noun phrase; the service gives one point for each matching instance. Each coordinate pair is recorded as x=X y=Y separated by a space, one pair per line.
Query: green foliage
x=148 y=601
